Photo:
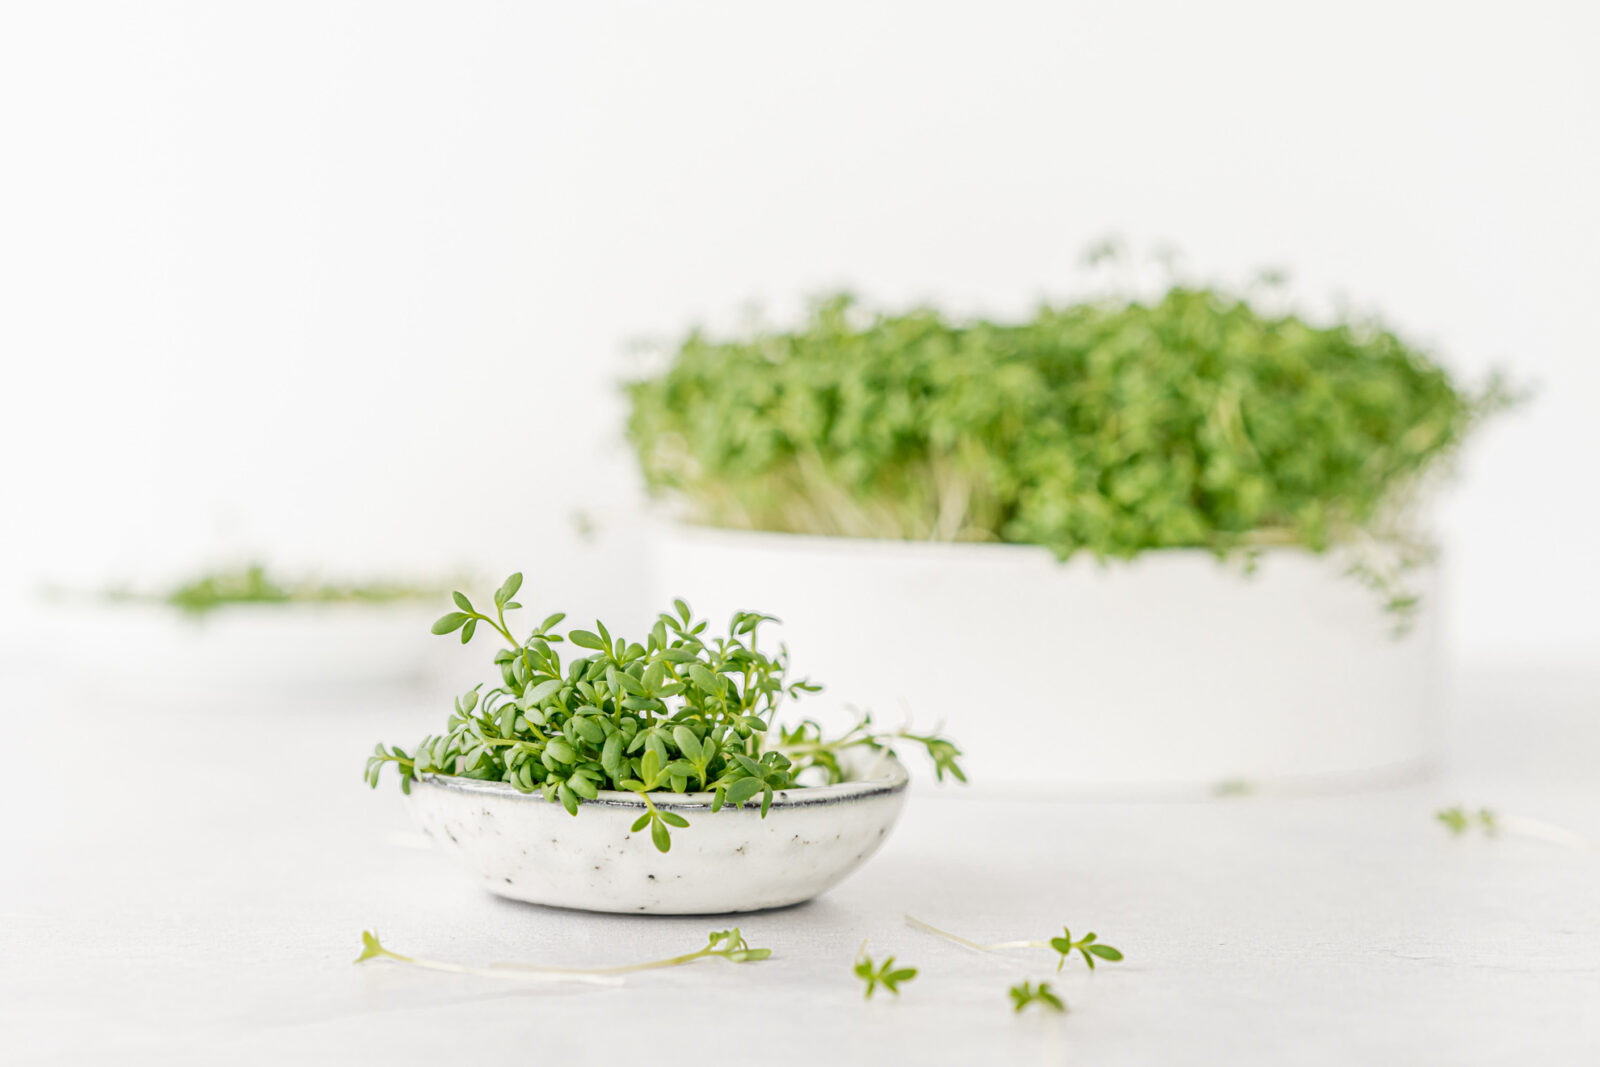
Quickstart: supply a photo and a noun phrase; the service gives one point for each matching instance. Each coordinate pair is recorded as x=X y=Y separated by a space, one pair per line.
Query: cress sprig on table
x=729 y=945
x=681 y=711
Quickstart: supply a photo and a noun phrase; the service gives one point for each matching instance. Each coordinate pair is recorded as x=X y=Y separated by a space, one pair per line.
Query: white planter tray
x=1172 y=672
x=244 y=653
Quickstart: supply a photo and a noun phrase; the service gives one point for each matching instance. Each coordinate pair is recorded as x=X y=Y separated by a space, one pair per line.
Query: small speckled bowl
x=527 y=848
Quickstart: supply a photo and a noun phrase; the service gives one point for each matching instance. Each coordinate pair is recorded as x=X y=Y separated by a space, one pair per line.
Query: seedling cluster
x=254 y=584
x=1109 y=427
x=678 y=712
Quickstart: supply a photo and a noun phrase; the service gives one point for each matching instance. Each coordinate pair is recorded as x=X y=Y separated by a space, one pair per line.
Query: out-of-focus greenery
x=252 y=584
x=1112 y=427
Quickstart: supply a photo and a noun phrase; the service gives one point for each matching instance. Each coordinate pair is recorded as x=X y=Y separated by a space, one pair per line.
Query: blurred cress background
x=304 y=282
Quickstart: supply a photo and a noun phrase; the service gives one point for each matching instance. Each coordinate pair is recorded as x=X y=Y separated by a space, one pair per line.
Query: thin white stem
x=628 y=968
x=998 y=946
x=1543 y=831
x=541 y=974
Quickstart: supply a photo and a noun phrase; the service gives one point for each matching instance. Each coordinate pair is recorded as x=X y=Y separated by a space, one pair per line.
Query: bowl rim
x=890 y=778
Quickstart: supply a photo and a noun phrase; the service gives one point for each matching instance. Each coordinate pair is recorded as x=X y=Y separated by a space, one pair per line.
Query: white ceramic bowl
x=1169 y=673
x=525 y=847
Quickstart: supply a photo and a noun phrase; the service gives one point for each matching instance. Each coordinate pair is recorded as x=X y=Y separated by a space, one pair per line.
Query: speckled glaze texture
x=527 y=848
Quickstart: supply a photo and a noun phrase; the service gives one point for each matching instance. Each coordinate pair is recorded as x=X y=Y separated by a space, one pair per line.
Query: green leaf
x=586 y=639
x=654 y=675
x=1105 y=952
x=704 y=679
x=449 y=623
x=461 y=601
x=650 y=767
x=540 y=692
x=661 y=837
x=611 y=755
x=641 y=822
x=371 y=947
x=508 y=589
x=688 y=743
x=672 y=818
x=743 y=790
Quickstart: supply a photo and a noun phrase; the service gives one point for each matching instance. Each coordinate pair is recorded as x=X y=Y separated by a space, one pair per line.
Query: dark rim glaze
x=891 y=779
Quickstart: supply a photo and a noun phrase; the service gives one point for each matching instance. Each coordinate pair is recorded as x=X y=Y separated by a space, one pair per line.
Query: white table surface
x=187 y=884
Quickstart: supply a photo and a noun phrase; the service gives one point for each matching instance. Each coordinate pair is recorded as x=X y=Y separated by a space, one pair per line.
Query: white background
x=350 y=285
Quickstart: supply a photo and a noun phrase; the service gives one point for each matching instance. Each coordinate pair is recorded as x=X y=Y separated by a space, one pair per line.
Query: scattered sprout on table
x=1089 y=945
x=885 y=974
x=729 y=945
x=1027 y=993
x=1458 y=820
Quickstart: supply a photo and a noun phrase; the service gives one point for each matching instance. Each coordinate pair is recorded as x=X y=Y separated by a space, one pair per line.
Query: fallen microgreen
x=729 y=945
x=373 y=949
x=1089 y=945
x=680 y=711
x=1027 y=993
x=1460 y=820
x=885 y=974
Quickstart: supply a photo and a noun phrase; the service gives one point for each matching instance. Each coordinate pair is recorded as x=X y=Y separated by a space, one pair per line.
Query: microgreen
x=1026 y=993
x=1089 y=945
x=373 y=949
x=1459 y=820
x=885 y=974
x=680 y=711
x=1112 y=428
x=728 y=945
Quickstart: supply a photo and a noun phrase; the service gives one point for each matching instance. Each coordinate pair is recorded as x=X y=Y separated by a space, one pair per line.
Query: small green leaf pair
x=658 y=821
x=1026 y=993
x=1458 y=820
x=1088 y=946
x=885 y=974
